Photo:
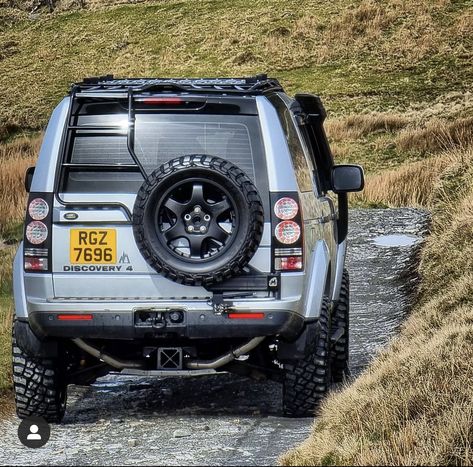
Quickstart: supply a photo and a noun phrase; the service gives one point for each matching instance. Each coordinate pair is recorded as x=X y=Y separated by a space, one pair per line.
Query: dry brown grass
x=358 y=125
x=413 y=405
x=436 y=135
x=409 y=185
x=15 y=158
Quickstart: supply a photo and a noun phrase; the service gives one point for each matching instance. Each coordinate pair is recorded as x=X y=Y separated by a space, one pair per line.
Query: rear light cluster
x=37 y=242
x=287 y=225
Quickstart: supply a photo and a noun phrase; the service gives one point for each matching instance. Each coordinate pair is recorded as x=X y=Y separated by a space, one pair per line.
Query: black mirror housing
x=29 y=178
x=347 y=178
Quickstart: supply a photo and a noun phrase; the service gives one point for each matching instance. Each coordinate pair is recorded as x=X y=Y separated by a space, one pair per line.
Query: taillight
x=36 y=264
x=287 y=245
x=287 y=232
x=37 y=240
x=38 y=209
x=36 y=232
x=286 y=208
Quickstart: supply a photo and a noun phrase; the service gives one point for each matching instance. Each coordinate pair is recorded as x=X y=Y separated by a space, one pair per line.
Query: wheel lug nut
x=187 y=217
x=197 y=209
x=206 y=218
x=203 y=228
x=190 y=228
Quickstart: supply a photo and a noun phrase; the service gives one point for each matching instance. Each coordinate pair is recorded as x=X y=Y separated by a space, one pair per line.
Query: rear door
x=94 y=250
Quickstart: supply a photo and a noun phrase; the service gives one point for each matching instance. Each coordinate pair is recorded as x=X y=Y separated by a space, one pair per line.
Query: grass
x=6 y=316
x=396 y=78
x=360 y=55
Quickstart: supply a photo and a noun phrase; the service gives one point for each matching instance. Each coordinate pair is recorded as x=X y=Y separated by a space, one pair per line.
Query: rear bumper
x=203 y=324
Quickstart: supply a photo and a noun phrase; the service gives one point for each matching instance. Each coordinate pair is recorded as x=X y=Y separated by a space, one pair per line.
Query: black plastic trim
x=196 y=325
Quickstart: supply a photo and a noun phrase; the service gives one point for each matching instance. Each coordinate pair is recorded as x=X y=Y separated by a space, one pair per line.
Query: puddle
x=395 y=240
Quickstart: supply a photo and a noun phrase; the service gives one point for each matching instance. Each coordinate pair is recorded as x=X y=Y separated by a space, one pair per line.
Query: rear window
x=158 y=139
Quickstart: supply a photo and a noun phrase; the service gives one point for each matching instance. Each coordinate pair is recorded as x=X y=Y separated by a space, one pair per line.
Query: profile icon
x=34 y=435
x=34 y=432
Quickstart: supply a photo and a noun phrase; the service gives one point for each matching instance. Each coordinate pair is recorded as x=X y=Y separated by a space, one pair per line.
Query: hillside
x=396 y=77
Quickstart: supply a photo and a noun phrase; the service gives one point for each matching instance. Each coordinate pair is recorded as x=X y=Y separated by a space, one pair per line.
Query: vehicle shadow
x=119 y=397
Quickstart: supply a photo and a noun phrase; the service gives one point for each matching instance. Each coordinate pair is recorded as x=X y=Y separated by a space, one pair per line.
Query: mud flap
x=31 y=344
x=289 y=351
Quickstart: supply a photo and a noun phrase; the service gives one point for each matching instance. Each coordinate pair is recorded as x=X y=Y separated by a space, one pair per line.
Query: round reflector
x=36 y=232
x=286 y=208
x=38 y=209
x=287 y=232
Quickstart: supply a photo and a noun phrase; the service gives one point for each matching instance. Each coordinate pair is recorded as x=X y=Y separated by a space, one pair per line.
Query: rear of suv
x=183 y=227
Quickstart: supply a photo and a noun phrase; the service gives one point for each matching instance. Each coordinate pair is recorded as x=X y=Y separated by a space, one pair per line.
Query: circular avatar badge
x=34 y=432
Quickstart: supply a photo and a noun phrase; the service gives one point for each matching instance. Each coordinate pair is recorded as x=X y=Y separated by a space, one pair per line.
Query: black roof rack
x=253 y=85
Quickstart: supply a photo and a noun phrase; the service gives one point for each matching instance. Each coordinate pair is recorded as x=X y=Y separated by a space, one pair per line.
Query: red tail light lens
x=286 y=208
x=36 y=232
x=288 y=263
x=38 y=209
x=287 y=232
x=36 y=264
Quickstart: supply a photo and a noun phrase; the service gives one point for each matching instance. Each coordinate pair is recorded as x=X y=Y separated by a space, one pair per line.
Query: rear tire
x=39 y=385
x=307 y=381
x=341 y=320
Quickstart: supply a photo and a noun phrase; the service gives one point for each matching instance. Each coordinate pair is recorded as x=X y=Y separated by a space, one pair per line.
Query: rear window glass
x=158 y=139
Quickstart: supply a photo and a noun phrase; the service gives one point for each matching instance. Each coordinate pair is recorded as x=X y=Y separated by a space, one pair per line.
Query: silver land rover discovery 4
x=183 y=227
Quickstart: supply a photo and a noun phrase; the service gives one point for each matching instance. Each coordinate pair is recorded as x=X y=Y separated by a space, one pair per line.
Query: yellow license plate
x=93 y=246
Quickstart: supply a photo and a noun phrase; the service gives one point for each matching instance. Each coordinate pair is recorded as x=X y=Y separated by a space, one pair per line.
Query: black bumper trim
x=196 y=325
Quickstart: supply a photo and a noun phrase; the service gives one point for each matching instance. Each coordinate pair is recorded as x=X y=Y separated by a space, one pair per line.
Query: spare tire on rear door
x=198 y=219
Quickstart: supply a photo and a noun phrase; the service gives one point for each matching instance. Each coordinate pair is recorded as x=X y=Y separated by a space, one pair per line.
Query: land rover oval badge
x=71 y=216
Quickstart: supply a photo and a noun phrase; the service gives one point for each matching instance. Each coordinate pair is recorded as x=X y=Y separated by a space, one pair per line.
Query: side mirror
x=347 y=178
x=29 y=178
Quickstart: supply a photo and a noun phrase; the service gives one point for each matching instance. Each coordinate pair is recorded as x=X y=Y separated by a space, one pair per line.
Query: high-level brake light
x=163 y=101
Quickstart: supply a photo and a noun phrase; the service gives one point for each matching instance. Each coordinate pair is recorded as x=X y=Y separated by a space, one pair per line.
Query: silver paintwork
x=278 y=160
x=317 y=272
x=340 y=265
x=19 y=291
x=45 y=172
x=106 y=216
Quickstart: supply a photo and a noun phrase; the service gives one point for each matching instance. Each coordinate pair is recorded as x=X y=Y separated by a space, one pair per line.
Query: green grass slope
x=359 y=55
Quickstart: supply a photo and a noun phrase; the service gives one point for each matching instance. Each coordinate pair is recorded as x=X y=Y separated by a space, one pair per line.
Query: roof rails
x=254 y=85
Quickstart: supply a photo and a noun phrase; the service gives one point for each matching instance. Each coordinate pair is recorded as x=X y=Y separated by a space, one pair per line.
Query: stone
x=181 y=434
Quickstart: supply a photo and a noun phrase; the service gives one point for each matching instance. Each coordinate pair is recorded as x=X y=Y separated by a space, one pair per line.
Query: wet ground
x=225 y=419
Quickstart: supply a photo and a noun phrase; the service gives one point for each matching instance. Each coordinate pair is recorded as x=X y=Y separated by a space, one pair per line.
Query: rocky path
x=228 y=420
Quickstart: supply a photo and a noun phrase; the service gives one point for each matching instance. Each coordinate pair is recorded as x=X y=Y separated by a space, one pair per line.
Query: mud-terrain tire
x=210 y=260
x=39 y=385
x=341 y=320
x=307 y=381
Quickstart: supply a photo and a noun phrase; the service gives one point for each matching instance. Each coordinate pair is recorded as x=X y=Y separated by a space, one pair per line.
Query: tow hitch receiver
x=170 y=358
x=158 y=318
